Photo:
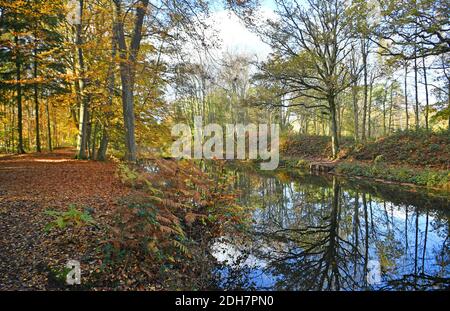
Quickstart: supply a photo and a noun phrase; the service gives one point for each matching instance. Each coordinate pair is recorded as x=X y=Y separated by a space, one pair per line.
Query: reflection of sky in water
x=392 y=231
x=227 y=253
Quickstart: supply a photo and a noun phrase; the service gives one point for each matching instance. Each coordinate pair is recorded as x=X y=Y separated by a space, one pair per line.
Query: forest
x=91 y=90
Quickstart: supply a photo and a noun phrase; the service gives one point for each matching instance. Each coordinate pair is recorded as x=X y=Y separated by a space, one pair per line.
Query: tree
x=414 y=30
x=18 y=62
x=442 y=92
x=110 y=82
x=423 y=25
x=360 y=15
x=82 y=85
x=427 y=99
x=14 y=52
x=355 y=70
x=311 y=44
x=46 y=41
x=30 y=47
x=406 y=92
x=128 y=56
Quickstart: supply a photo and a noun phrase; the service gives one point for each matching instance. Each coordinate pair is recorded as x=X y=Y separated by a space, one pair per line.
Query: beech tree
x=311 y=42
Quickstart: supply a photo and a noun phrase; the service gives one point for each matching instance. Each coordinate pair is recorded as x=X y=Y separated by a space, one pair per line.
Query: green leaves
x=423 y=177
x=71 y=217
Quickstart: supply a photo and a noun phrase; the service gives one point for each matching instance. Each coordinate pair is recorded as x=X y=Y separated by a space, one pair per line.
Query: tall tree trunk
x=369 y=110
x=364 y=58
x=416 y=87
x=36 y=103
x=75 y=110
x=334 y=125
x=355 y=111
x=84 y=112
x=13 y=129
x=384 y=109
x=111 y=81
x=406 y=95
x=19 y=98
x=127 y=70
x=101 y=153
x=426 y=93
x=49 y=130
x=28 y=108
x=448 y=105
x=55 y=129
x=94 y=141
x=128 y=113
x=390 y=108
x=340 y=113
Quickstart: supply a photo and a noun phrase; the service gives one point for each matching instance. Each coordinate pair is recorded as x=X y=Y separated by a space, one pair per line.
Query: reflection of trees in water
x=312 y=252
x=322 y=238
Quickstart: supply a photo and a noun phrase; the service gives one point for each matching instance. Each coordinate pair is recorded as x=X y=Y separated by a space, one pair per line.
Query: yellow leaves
x=181 y=247
x=151 y=246
x=33 y=9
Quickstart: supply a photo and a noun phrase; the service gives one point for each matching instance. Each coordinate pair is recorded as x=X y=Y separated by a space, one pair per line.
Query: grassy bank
x=421 y=158
x=423 y=177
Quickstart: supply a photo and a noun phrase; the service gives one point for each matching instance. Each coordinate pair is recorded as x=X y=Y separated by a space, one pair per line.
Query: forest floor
x=32 y=183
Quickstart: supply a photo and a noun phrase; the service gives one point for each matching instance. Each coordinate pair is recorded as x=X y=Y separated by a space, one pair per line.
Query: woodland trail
x=33 y=183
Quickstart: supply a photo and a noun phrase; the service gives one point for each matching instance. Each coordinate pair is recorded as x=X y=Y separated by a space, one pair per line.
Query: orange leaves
x=167 y=229
x=169 y=218
x=178 y=204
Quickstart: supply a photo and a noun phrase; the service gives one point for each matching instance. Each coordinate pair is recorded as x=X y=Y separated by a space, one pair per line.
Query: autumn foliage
x=177 y=209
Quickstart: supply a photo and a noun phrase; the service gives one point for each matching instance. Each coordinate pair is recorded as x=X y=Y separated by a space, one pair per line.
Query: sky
x=237 y=39
x=233 y=34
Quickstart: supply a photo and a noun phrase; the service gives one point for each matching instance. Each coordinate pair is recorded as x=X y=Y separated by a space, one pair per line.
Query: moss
x=294 y=164
x=423 y=177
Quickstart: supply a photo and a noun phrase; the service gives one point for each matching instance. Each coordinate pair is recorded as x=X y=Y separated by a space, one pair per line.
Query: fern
x=71 y=217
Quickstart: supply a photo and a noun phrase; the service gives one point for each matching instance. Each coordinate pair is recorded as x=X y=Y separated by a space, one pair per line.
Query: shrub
x=71 y=217
x=178 y=205
x=428 y=177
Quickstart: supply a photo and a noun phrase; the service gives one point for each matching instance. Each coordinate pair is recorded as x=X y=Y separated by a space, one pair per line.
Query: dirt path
x=32 y=183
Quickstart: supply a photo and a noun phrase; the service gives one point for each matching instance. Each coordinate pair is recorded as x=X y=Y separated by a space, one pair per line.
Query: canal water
x=327 y=233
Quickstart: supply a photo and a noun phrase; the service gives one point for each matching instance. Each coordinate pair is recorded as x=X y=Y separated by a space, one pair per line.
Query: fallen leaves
x=33 y=183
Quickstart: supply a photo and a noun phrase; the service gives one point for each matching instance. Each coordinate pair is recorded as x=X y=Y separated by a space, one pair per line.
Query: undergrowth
x=425 y=177
x=176 y=211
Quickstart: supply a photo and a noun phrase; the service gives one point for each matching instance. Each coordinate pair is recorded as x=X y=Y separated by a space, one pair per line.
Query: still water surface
x=327 y=233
